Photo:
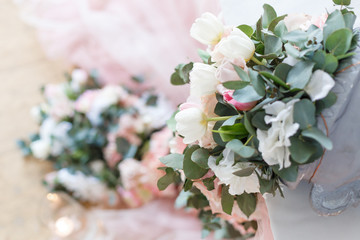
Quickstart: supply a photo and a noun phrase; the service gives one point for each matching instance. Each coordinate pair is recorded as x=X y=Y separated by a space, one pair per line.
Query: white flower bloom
x=297 y=22
x=86 y=188
x=41 y=148
x=35 y=113
x=97 y=166
x=60 y=138
x=236 y=45
x=191 y=124
x=224 y=171
x=274 y=144
x=207 y=29
x=132 y=173
x=319 y=85
x=78 y=79
x=203 y=80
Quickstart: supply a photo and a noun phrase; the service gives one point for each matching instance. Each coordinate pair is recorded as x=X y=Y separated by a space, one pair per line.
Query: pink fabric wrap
x=121 y=38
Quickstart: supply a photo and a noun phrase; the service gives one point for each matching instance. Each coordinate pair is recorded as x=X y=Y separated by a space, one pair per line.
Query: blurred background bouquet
x=104 y=142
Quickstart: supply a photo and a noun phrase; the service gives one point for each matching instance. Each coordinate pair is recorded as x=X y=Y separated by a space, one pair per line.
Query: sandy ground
x=23 y=70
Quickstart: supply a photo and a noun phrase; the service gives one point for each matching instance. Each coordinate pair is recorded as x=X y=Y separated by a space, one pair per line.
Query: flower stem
x=275 y=79
x=254 y=59
x=218 y=118
x=248 y=141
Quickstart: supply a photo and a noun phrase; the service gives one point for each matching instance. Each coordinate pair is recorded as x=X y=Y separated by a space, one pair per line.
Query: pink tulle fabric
x=120 y=38
x=157 y=220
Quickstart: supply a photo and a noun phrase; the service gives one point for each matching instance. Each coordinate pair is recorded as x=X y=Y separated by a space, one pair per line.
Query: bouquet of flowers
x=255 y=111
x=104 y=141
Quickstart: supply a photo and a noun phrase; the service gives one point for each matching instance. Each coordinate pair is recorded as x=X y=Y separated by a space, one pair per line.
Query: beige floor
x=23 y=69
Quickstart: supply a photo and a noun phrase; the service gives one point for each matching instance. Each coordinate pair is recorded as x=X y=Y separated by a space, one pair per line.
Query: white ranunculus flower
x=224 y=171
x=191 y=124
x=319 y=85
x=274 y=144
x=208 y=29
x=40 y=148
x=236 y=45
x=203 y=80
x=297 y=22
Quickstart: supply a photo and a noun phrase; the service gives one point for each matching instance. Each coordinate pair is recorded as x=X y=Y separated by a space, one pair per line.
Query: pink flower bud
x=238 y=105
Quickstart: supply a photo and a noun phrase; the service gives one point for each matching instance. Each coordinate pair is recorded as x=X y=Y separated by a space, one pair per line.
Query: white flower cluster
x=85 y=188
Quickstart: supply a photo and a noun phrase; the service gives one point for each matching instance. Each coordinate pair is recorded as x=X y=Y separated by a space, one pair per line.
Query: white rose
x=297 y=22
x=203 y=80
x=191 y=124
x=225 y=169
x=97 y=166
x=40 y=148
x=236 y=45
x=207 y=29
x=319 y=85
x=274 y=144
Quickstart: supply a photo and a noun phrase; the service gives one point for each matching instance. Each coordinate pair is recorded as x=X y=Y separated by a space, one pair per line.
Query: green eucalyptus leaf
x=339 y=42
x=349 y=19
x=170 y=177
x=326 y=102
x=248 y=30
x=247 y=124
x=319 y=136
x=191 y=169
x=292 y=51
x=216 y=136
x=204 y=55
x=244 y=172
x=257 y=82
x=304 y=113
x=266 y=186
x=231 y=121
x=239 y=148
x=327 y=62
x=288 y=174
x=242 y=74
x=297 y=36
x=282 y=70
x=300 y=150
x=173 y=160
x=247 y=203
x=259 y=121
x=335 y=21
x=300 y=74
x=342 y=2
x=259 y=29
x=280 y=30
x=246 y=94
x=227 y=200
x=200 y=157
x=268 y=16
x=234 y=85
x=275 y=22
x=273 y=45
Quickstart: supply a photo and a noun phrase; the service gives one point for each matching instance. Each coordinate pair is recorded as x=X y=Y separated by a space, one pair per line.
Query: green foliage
x=236 y=131
x=200 y=157
x=268 y=16
x=173 y=160
x=326 y=62
x=191 y=169
x=300 y=74
x=342 y=2
x=239 y=148
x=181 y=74
x=301 y=151
x=170 y=177
x=227 y=200
x=249 y=31
x=247 y=203
x=319 y=136
x=289 y=174
x=304 y=113
x=234 y=85
x=339 y=42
